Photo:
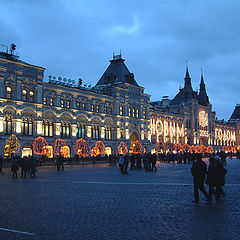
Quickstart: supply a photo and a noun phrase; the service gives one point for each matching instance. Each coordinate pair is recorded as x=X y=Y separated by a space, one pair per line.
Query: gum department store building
x=115 y=110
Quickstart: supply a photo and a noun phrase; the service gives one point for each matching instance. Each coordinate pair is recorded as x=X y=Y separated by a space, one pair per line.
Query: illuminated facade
x=116 y=110
x=194 y=110
x=112 y=111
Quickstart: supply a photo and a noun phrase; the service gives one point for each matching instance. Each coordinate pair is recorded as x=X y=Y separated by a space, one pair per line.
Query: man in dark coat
x=211 y=180
x=221 y=172
x=199 y=170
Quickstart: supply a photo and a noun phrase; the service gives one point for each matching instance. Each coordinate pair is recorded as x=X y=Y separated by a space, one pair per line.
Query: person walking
x=14 y=168
x=1 y=163
x=221 y=172
x=126 y=163
x=121 y=163
x=211 y=179
x=199 y=170
x=154 y=162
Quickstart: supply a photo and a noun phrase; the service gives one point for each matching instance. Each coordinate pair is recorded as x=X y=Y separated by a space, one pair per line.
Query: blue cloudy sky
x=76 y=38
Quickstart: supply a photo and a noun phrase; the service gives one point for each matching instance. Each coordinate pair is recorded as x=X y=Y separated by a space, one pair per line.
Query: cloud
x=76 y=39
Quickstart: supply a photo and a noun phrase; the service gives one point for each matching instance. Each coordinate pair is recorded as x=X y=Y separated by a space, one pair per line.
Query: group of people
x=27 y=165
x=213 y=176
x=186 y=156
x=137 y=161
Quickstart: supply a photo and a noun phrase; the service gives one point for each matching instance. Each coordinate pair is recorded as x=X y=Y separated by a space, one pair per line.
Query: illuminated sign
x=203 y=123
x=225 y=135
x=166 y=128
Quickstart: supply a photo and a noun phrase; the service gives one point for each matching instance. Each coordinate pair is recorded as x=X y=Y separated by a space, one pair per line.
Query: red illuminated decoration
x=210 y=149
x=160 y=146
x=186 y=148
x=169 y=146
x=81 y=148
x=98 y=149
x=234 y=149
x=227 y=148
x=59 y=143
x=177 y=147
x=39 y=146
x=122 y=148
x=197 y=149
x=203 y=149
x=192 y=149
x=136 y=147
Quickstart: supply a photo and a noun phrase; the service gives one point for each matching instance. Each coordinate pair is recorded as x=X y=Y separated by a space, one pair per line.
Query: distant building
x=195 y=111
x=115 y=110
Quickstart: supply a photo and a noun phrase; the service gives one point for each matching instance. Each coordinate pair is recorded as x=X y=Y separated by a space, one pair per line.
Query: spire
x=203 y=97
x=202 y=84
x=187 y=79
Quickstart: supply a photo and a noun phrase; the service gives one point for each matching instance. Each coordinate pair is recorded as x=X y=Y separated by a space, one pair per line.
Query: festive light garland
x=122 y=148
x=39 y=145
x=81 y=148
x=12 y=145
x=186 y=147
x=160 y=146
x=136 y=147
x=58 y=144
x=177 y=147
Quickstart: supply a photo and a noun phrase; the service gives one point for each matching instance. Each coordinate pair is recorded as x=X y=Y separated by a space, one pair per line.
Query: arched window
x=31 y=96
x=121 y=111
x=95 y=132
x=62 y=103
x=65 y=129
x=68 y=104
x=45 y=101
x=48 y=128
x=108 y=133
x=27 y=126
x=9 y=93
x=84 y=107
x=81 y=130
x=8 y=125
x=24 y=95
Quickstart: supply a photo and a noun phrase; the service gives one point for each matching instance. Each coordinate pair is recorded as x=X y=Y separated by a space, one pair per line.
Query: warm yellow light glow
x=58 y=129
x=1 y=124
x=127 y=134
x=166 y=128
x=74 y=130
x=102 y=132
x=89 y=131
x=118 y=133
x=18 y=126
x=142 y=135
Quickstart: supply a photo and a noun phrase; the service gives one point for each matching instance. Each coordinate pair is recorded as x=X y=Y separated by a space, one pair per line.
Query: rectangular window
x=137 y=113
x=62 y=103
x=44 y=100
x=129 y=112
x=144 y=114
x=51 y=102
x=68 y=104
x=121 y=111
x=133 y=112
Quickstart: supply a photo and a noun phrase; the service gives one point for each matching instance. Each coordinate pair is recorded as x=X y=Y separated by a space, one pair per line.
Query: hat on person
x=217 y=158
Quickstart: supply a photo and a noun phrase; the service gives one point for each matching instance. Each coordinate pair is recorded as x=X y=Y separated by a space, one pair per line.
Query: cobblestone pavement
x=96 y=202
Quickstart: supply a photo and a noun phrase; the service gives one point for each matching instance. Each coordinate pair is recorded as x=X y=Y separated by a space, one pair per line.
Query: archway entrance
x=27 y=151
x=108 y=151
x=48 y=151
x=136 y=146
x=65 y=151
